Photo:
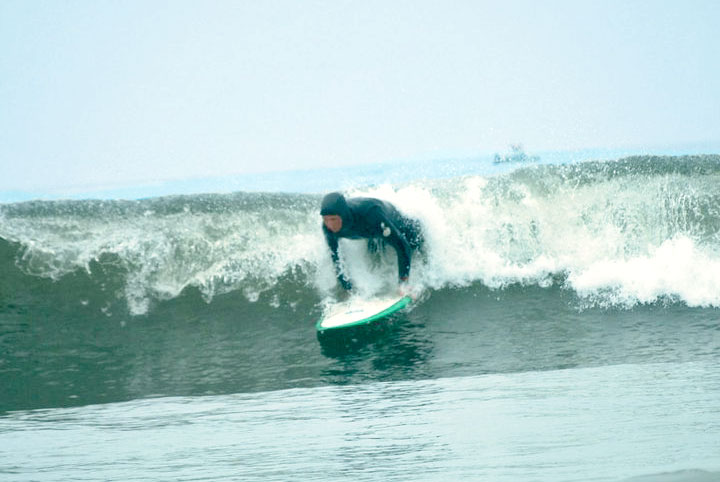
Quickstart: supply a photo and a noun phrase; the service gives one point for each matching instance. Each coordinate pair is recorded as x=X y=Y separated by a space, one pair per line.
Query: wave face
x=617 y=233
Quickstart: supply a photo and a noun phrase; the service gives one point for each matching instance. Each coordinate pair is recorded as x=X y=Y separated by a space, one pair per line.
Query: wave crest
x=637 y=230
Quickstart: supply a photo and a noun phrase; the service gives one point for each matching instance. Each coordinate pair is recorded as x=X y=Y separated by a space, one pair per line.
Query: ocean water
x=568 y=330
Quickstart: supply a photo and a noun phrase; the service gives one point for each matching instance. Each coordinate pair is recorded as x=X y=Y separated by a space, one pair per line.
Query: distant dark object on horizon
x=517 y=154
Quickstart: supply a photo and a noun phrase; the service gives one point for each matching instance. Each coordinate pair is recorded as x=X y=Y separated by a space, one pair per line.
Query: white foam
x=676 y=269
x=619 y=240
x=616 y=242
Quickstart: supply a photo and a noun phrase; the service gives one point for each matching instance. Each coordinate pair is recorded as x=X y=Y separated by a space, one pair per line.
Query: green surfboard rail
x=399 y=305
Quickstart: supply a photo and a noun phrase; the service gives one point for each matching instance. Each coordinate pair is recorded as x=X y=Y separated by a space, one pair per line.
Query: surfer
x=377 y=221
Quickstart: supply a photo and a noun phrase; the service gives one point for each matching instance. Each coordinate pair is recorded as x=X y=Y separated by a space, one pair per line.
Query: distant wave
x=616 y=233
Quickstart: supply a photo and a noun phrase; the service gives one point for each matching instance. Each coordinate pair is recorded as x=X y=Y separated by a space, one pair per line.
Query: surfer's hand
x=406 y=290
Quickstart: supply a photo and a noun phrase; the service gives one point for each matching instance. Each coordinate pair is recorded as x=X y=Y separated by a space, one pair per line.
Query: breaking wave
x=615 y=233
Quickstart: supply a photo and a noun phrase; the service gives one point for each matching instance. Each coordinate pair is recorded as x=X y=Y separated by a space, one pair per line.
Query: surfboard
x=360 y=312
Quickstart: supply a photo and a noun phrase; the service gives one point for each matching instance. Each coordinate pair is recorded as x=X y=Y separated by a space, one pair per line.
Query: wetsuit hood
x=335 y=204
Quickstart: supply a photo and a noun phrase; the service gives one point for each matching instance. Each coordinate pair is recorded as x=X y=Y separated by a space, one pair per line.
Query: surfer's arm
x=332 y=242
x=403 y=254
x=397 y=240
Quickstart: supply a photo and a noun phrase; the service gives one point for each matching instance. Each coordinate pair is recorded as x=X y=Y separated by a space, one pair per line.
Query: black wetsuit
x=375 y=220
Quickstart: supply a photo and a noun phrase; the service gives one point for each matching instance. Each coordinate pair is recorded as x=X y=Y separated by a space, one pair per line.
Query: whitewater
x=635 y=230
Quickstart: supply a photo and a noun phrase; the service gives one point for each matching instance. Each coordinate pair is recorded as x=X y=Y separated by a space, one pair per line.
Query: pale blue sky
x=101 y=92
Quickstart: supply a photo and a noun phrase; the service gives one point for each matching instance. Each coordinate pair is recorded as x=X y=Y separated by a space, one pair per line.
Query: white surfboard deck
x=358 y=311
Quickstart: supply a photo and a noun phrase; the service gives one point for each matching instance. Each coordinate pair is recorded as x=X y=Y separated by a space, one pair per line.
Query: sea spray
x=616 y=233
x=214 y=243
